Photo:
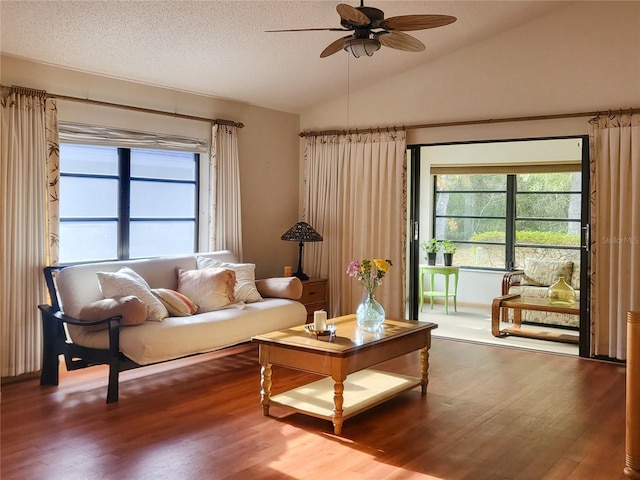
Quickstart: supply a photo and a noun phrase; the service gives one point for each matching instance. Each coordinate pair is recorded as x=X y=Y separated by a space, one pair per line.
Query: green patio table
x=432 y=271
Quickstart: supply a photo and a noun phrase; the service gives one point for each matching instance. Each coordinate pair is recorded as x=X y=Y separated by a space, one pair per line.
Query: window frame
x=123 y=219
x=511 y=218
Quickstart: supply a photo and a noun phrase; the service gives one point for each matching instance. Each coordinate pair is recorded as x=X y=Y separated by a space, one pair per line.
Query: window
x=120 y=203
x=498 y=220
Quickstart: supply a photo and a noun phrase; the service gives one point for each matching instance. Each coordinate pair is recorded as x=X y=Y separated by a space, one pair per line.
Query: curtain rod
x=469 y=122
x=31 y=91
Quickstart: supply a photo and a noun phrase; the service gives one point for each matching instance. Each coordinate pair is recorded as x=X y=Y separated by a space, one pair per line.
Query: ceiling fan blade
x=334 y=47
x=416 y=22
x=400 y=41
x=310 y=30
x=352 y=14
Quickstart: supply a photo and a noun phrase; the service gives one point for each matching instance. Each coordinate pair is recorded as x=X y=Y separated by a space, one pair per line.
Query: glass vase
x=370 y=314
x=561 y=293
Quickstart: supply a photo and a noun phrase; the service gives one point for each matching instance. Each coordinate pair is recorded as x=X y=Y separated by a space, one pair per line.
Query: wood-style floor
x=490 y=413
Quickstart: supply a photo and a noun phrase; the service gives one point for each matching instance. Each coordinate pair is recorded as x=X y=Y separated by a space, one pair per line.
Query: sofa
x=538 y=275
x=128 y=314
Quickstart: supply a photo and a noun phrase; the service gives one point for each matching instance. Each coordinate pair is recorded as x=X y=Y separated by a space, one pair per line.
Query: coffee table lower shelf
x=362 y=390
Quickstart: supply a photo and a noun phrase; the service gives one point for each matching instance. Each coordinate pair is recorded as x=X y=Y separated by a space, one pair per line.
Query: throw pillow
x=177 y=304
x=211 y=288
x=132 y=310
x=127 y=282
x=245 y=290
x=543 y=273
x=284 y=287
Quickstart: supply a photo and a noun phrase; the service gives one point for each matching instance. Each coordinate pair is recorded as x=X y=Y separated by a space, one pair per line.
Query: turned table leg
x=338 y=401
x=265 y=387
x=424 y=367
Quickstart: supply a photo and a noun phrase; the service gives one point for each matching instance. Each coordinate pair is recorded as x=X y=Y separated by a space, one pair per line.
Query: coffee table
x=351 y=386
x=517 y=303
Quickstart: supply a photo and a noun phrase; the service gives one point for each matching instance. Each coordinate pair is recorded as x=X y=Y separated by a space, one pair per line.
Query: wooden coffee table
x=351 y=386
x=517 y=303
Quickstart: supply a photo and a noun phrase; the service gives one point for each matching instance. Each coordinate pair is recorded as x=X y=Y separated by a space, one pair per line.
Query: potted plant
x=448 y=249
x=432 y=247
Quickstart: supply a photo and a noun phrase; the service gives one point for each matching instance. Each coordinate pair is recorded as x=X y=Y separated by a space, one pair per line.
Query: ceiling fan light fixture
x=359 y=47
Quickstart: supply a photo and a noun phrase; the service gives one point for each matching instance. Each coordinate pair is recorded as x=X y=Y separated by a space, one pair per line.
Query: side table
x=433 y=270
x=314 y=296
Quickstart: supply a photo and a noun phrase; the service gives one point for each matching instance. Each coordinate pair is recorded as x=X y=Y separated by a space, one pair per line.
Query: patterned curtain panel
x=225 y=222
x=356 y=198
x=24 y=161
x=615 y=230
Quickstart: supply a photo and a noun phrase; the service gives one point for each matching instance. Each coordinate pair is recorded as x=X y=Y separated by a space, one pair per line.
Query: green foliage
x=448 y=246
x=531 y=237
x=431 y=246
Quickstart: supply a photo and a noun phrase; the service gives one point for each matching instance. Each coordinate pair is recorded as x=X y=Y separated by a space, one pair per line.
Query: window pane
x=85 y=241
x=88 y=197
x=479 y=255
x=549 y=182
x=162 y=200
x=163 y=164
x=471 y=229
x=548 y=233
x=472 y=182
x=522 y=253
x=88 y=159
x=161 y=238
x=548 y=205
x=471 y=204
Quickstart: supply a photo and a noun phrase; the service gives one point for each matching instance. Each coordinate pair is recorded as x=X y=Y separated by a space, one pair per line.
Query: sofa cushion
x=544 y=273
x=127 y=282
x=177 y=304
x=211 y=288
x=280 y=287
x=245 y=289
x=177 y=337
x=131 y=308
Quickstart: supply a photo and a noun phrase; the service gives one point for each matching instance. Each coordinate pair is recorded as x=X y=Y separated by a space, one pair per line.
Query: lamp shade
x=301 y=232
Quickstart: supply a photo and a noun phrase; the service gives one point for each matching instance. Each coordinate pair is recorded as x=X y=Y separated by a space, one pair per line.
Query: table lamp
x=301 y=232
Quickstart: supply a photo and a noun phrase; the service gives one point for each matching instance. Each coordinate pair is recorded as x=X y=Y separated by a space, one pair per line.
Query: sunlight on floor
x=474 y=325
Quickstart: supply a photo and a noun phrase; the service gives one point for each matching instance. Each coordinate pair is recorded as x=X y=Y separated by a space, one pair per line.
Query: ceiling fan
x=371 y=30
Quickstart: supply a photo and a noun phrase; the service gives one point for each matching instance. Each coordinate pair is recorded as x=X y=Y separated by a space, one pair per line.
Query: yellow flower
x=381 y=265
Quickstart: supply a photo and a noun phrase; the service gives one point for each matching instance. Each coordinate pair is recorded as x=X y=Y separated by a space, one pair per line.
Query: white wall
x=583 y=57
x=580 y=58
x=268 y=145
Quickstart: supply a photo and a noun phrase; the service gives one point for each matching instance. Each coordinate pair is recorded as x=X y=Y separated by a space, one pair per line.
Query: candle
x=287 y=271
x=319 y=320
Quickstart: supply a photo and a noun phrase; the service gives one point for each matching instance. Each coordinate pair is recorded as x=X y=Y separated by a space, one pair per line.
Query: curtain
x=615 y=230
x=355 y=197
x=225 y=222
x=28 y=124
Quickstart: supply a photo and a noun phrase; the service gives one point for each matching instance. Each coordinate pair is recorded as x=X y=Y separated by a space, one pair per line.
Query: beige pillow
x=132 y=310
x=543 y=273
x=127 y=282
x=245 y=289
x=211 y=288
x=280 y=287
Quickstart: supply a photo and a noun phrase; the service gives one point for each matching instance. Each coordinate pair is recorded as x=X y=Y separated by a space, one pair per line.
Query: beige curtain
x=356 y=199
x=225 y=222
x=28 y=124
x=615 y=230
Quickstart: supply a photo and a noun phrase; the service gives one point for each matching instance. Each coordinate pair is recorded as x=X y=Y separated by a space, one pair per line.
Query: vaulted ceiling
x=220 y=48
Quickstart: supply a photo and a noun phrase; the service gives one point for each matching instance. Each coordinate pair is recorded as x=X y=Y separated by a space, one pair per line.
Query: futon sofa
x=133 y=313
x=534 y=281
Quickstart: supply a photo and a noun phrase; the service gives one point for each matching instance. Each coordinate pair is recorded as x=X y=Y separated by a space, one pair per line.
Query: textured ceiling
x=220 y=48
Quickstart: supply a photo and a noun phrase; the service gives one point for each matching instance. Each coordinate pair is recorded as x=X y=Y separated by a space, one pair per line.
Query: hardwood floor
x=490 y=413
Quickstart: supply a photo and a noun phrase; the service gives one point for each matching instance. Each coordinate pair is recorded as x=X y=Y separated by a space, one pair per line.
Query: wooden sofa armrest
x=510 y=279
x=55 y=343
